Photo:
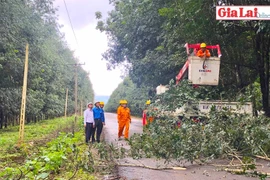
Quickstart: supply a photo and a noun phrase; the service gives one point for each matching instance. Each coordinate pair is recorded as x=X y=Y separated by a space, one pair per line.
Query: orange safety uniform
x=146 y=119
x=124 y=118
x=201 y=54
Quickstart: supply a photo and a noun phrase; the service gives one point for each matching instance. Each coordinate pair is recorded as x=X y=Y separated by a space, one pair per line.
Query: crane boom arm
x=182 y=72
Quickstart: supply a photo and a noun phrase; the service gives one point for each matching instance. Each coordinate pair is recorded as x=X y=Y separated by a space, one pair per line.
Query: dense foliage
x=136 y=97
x=150 y=35
x=51 y=63
x=220 y=134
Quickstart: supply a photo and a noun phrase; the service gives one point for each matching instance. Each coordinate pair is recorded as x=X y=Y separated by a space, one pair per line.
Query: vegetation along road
x=151 y=42
x=152 y=168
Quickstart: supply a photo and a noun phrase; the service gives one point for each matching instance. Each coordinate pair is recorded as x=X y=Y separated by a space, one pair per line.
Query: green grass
x=63 y=157
x=44 y=139
x=32 y=132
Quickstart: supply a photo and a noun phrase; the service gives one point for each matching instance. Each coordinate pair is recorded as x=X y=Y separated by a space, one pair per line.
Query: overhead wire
x=71 y=23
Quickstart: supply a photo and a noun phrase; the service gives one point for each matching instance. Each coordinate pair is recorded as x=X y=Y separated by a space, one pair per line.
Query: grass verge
x=50 y=151
x=33 y=133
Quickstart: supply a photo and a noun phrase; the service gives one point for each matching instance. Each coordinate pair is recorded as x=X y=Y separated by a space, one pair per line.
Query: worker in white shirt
x=89 y=122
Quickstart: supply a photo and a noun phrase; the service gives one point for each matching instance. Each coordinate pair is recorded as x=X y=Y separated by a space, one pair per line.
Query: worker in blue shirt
x=102 y=115
x=97 y=112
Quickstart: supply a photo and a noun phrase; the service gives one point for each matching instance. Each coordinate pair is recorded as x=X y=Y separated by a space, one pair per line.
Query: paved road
x=193 y=172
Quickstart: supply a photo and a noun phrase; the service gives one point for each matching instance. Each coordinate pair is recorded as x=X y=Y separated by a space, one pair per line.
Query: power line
x=71 y=23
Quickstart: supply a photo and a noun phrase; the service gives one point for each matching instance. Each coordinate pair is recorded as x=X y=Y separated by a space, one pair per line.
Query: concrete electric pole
x=23 y=103
x=76 y=96
x=66 y=104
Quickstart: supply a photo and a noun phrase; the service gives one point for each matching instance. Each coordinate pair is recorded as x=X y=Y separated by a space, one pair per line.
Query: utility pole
x=76 y=96
x=76 y=91
x=23 y=103
x=81 y=107
x=66 y=104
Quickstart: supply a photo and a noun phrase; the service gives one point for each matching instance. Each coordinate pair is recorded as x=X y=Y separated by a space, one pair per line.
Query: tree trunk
x=1 y=118
x=5 y=121
x=239 y=77
x=263 y=68
x=14 y=121
x=267 y=59
x=253 y=100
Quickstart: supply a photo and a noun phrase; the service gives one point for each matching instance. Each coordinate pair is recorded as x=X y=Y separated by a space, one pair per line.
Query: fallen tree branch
x=246 y=171
x=238 y=158
x=199 y=162
x=231 y=162
x=263 y=152
x=75 y=172
x=20 y=174
x=152 y=168
x=233 y=165
x=112 y=177
x=261 y=157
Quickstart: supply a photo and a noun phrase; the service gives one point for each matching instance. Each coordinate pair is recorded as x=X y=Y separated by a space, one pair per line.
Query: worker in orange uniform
x=124 y=119
x=145 y=118
x=203 y=52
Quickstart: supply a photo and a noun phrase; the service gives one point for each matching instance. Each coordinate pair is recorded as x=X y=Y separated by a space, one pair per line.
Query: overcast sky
x=91 y=42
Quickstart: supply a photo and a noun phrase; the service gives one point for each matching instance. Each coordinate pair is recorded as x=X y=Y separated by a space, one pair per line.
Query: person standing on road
x=97 y=111
x=124 y=119
x=145 y=112
x=102 y=115
x=89 y=122
x=147 y=119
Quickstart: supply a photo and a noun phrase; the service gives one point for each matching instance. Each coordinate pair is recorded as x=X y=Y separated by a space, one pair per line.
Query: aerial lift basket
x=201 y=71
x=207 y=75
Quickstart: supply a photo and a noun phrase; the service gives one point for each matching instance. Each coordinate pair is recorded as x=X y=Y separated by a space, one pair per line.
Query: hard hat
x=89 y=103
x=101 y=103
x=203 y=45
x=97 y=102
x=148 y=102
x=123 y=102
